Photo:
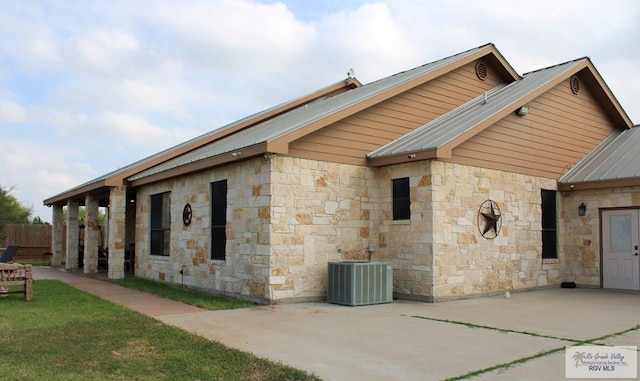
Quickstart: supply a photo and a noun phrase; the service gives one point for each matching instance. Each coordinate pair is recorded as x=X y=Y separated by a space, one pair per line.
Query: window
x=160 y=223
x=218 y=219
x=549 y=235
x=401 y=200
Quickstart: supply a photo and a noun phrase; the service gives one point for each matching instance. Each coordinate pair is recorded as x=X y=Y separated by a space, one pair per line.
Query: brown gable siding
x=348 y=141
x=560 y=129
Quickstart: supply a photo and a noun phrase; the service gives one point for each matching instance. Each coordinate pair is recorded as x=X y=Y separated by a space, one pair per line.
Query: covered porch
x=89 y=246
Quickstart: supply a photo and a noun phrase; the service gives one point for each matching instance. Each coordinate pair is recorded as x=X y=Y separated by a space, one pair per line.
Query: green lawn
x=66 y=334
x=34 y=262
x=189 y=296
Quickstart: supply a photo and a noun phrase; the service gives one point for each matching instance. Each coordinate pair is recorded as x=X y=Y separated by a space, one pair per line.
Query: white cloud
x=130 y=130
x=26 y=36
x=101 y=52
x=40 y=170
x=368 y=39
x=12 y=112
x=240 y=37
x=94 y=94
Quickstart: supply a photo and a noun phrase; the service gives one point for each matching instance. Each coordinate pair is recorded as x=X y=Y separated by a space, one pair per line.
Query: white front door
x=620 y=260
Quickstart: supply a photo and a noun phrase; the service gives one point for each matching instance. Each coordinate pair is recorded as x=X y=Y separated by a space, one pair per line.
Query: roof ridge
x=556 y=65
x=449 y=57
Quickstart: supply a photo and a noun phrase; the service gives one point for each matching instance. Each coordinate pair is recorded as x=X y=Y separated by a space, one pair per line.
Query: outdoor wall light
x=523 y=111
x=269 y=156
x=582 y=209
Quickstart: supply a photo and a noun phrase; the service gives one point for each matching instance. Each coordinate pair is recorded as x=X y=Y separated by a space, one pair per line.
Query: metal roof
x=302 y=116
x=616 y=158
x=447 y=127
x=99 y=181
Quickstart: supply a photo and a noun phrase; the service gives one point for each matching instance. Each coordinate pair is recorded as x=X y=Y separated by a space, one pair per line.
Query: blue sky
x=87 y=87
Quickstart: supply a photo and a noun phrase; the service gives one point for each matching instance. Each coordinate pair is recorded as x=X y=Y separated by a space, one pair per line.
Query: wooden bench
x=15 y=274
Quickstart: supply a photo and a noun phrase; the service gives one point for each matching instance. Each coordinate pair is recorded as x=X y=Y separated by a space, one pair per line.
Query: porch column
x=116 y=231
x=57 y=235
x=72 y=235
x=91 y=234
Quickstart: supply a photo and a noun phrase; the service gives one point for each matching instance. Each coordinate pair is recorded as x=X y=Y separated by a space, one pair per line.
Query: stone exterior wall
x=439 y=254
x=245 y=272
x=288 y=217
x=334 y=211
x=581 y=245
x=408 y=244
x=465 y=263
x=320 y=212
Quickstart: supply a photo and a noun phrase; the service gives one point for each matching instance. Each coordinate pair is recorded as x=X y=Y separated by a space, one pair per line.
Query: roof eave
x=75 y=193
x=405 y=157
x=599 y=184
x=119 y=177
x=211 y=162
x=613 y=107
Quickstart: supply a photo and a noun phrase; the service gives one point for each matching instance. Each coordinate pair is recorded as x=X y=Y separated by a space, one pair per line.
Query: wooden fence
x=34 y=241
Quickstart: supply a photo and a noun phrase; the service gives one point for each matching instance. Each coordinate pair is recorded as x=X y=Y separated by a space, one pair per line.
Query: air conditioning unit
x=360 y=283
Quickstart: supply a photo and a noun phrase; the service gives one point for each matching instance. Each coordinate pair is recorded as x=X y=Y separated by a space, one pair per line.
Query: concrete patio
x=404 y=340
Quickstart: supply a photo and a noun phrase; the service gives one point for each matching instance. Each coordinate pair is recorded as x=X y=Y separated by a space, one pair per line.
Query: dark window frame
x=549 y=224
x=218 y=220
x=401 y=199
x=160 y=224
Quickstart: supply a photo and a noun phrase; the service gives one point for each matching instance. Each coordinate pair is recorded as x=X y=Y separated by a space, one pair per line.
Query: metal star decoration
x=490 y=215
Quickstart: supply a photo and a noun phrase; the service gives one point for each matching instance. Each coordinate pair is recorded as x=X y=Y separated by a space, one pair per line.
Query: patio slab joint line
x=505 y=365
x=504 y=330
x=528 y=358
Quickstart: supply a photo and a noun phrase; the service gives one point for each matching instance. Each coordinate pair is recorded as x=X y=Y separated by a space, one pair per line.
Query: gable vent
x=481 y=70
x=575 y=84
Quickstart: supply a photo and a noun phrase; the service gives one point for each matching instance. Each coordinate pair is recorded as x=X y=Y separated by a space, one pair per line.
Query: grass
x=186 y=295
x=503 y=366
x=67 y=334
x=503 y=330
x=34 y=262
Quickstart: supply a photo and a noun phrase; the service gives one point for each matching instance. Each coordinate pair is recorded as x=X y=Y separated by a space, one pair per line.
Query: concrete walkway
x=403 y=340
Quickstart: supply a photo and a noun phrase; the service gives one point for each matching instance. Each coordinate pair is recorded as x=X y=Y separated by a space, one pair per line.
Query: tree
x=11 y=211
x=38 y=221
